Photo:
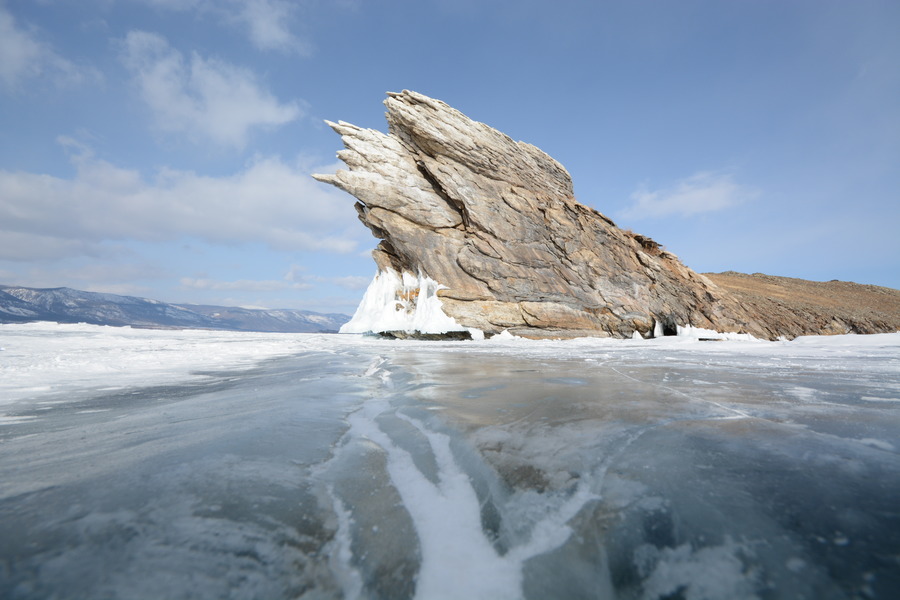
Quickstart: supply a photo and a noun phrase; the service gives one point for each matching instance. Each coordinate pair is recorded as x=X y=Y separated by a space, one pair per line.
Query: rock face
x=495 y=224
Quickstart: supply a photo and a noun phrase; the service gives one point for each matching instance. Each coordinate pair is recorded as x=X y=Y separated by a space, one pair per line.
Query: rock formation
x=489 y=228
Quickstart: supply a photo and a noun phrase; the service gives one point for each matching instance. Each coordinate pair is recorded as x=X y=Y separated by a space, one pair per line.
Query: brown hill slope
x=814 y=307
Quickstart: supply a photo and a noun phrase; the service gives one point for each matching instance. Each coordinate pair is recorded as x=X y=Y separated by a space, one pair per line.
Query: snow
x=45 y=358
x=395 y=302
x=657 y=330
x=849 y=341
x=505 y=335
x=689 y=331
x=715 y=572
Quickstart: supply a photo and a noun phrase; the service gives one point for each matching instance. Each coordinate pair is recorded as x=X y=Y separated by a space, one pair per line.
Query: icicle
x=406 y=302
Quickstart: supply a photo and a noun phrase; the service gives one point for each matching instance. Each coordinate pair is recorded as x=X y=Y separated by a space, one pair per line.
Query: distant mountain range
x=65 y=305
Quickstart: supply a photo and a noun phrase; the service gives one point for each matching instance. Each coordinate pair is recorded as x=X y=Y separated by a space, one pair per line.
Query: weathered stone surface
x=495 y=221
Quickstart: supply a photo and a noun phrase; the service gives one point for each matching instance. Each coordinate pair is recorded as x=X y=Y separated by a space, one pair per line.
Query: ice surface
x=207 y=464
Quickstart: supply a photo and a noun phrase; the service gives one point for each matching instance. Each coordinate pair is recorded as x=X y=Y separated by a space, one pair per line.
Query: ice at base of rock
x=407 y=303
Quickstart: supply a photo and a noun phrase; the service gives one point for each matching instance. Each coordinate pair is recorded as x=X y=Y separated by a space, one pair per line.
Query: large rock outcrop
x=490 y=227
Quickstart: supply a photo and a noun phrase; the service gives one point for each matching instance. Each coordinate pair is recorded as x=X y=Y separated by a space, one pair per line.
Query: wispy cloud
x=110 y=278
x=268 y=24
x=24 y=57
x=270 y=201
x=702 y=192
x=352 y=282
x=243 y=285
x=299 y=274
x=205 y=98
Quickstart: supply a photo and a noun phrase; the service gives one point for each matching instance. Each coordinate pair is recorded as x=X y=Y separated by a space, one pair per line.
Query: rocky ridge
x=815 y=307
x=496 y=224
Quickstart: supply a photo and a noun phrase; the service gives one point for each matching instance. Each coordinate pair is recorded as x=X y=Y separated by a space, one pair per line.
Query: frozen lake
x=188 y=464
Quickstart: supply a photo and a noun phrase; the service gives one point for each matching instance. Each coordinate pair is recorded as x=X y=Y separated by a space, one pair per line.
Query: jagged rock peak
x=494 y=223
x=434 y=128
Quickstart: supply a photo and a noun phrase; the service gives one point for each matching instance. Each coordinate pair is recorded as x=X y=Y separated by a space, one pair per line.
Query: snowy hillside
x=66 y=305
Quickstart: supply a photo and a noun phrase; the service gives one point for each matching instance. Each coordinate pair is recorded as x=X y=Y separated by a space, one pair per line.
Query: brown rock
x=496 y=223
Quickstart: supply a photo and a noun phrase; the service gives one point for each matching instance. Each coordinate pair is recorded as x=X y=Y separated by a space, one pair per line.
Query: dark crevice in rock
x=669 y=327
x=647 y=244
x=455 y=204
x=364 y=217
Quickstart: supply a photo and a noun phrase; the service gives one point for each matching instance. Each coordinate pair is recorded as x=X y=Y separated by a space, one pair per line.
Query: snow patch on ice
x=878 y=399
x=408 y=303
x=340 y=559
x=804 y=394
x=689 y=331
x=446 y=513
x=880 y=444
x=11 y=420
x=849 y=340
x=505 y=335
x=705 y=573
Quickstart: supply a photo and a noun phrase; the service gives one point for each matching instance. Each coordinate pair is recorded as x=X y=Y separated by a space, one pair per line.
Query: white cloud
x=23 y=56
x=34 y=245
x=269 y=201
x=296 y=273
x=299 y=276
x=92 y=275
x=294 y=279
x=700 y=193
x=207 y=99
x=179 y=5
x=268 y=24
x=349 y=282
x=20 y=54
x=244 y=285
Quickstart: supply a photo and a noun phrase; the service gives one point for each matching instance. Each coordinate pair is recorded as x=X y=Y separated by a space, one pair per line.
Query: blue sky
x=162 y=148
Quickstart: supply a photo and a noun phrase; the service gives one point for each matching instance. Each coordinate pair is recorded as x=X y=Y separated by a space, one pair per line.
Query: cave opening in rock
x=665 y=327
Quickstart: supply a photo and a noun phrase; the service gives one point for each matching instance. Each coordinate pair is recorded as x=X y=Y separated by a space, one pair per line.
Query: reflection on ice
x=734 y=489
x=366 y=468
x=458 y=556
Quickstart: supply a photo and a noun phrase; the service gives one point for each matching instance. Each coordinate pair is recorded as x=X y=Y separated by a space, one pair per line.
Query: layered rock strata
x=494 y=222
